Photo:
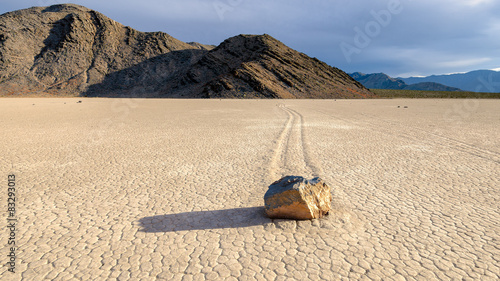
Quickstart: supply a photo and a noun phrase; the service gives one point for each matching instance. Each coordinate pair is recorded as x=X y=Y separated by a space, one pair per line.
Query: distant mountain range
x=475 y=81
x=70 y=50
x=384 y=81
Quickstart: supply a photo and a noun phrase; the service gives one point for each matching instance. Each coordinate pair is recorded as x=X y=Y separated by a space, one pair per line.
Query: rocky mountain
x=378 y=81
x=383 y=81
x=476 y=81
x=431 y=86
x=63 y=49
x=69 y=50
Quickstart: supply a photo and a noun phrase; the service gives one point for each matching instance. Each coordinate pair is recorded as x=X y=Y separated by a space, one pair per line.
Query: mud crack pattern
x=173 y=189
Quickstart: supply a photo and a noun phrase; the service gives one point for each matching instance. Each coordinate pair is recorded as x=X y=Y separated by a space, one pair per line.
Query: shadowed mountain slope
x=64 y=48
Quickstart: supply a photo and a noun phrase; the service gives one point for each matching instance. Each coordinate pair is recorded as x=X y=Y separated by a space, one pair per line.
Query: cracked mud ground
x=173 y=189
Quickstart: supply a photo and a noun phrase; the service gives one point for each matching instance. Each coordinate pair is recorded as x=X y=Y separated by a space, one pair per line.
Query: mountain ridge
x=70 y=50
x=475 y=81
x=384 y=81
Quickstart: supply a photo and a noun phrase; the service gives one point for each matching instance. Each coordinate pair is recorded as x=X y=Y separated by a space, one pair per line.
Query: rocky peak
x=65 y=8
x=62 y=49
x=261 y=66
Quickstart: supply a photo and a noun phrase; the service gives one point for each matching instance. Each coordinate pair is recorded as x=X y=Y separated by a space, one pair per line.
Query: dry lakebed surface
x=163 y=189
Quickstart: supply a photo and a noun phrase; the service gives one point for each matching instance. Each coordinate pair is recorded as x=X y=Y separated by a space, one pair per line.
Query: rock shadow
x=205 y=220
x=150 y=78
x=54 y=42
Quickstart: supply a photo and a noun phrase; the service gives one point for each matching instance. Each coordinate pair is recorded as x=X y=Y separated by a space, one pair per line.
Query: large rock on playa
x=294 y=197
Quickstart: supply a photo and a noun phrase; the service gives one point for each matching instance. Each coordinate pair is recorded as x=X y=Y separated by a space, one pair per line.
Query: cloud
x=426 y=37
x=474 y=3
x=464 y=63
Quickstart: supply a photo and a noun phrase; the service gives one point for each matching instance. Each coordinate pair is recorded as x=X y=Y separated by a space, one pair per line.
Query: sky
x=401 y=38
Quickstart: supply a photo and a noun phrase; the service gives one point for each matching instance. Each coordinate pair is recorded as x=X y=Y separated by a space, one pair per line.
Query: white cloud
x=474 y=3
x=409 y=74
x=462 y=63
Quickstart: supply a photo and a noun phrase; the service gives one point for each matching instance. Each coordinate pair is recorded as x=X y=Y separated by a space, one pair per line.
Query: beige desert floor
x=173 y=189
